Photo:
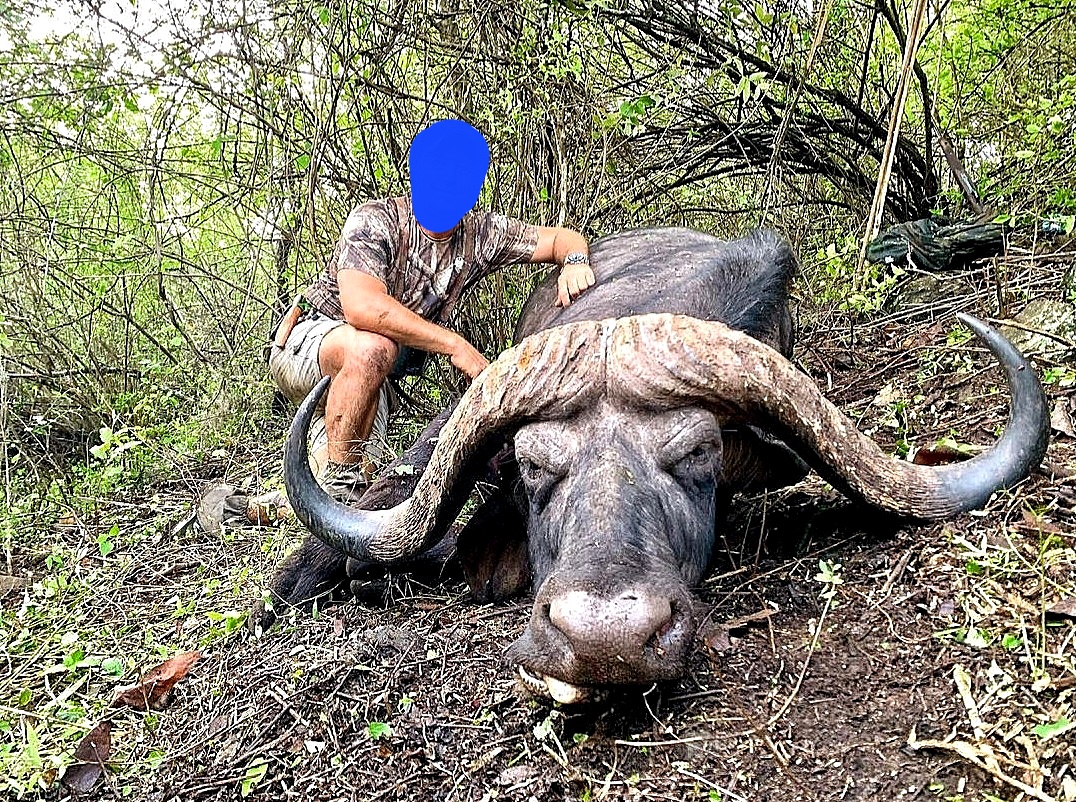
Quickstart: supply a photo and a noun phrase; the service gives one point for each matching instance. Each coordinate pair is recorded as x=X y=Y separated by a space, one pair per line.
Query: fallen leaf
x=149 y=693
x=92 y=755
x=1064 y=610
x=338 y=626
x=718 y=639
x=1060 y=419
x=1039 y=524
x=12 y=584
x=944 y=452
x=1053 y=729
x=514 y=775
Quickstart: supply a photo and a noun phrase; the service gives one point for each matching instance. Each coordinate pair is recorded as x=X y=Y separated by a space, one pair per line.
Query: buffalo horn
x=684 y=360
x=664 y=361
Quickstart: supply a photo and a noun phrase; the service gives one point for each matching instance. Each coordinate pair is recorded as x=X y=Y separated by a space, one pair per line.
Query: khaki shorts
x=295 y=370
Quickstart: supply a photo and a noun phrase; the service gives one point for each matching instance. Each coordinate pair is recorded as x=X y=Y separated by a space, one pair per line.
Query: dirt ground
x=930 y=671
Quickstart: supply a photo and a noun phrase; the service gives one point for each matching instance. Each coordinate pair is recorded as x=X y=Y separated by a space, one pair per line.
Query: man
x=396 y=272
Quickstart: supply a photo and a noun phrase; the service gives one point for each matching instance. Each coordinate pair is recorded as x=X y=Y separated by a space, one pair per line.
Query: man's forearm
x=383 y=314
x=568 y=241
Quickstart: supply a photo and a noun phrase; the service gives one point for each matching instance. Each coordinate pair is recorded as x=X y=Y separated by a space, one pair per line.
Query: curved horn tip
x=318 y=390
x=984 y=331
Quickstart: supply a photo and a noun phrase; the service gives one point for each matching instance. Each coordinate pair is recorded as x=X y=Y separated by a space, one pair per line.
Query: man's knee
x=350 y=349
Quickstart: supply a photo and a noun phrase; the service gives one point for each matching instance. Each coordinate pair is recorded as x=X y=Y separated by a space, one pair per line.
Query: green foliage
x=829 y=574
x=1012 y=107
x=155 y=202
x=1045 y=731
x=255 y=773
x=378 y=730
x=838 y=284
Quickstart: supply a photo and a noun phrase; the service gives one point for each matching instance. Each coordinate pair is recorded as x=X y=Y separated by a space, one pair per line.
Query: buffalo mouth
x=559 y=691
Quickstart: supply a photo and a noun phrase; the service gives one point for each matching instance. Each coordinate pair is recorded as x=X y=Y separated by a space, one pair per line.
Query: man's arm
x=368 y=306
x=554 y=245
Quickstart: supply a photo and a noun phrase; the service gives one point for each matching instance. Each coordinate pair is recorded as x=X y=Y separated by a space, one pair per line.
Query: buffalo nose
x=628 y=628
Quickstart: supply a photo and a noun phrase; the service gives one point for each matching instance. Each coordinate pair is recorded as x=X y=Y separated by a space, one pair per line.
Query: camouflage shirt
x=435 y=271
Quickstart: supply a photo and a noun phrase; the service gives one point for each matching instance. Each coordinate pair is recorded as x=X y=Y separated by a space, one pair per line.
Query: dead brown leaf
x=1061 y=418
x=943 y=453
x=91 y=755
x=150 y=692
x=12 y=584
x=1064 y=610
x=719 y=638
x=1037 y=523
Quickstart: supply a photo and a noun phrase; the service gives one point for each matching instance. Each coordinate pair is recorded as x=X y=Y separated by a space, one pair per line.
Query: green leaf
x=1045 y=731
x=73 y=658
x=378 y=730
x=255 y=774
x=302 y=162
x=31 y=753
x=976 y=638
x=1011 y=641
x=112 y=666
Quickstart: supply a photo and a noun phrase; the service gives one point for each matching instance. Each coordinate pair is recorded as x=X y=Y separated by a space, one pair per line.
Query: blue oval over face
x=448 y=163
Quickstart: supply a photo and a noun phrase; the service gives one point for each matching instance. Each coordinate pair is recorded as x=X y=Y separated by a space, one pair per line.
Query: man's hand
x=573 y=280
x=468 y=359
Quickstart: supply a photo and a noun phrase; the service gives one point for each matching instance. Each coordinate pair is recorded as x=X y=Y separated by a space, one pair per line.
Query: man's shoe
x=345 y=482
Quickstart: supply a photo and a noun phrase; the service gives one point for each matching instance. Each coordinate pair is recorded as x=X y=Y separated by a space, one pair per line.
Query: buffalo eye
x=531 y=472
x=539 y=479
x=699 y=462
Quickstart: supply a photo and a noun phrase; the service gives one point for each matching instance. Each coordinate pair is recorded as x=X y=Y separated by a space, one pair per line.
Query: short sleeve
x=505 y=241
x=368 y=243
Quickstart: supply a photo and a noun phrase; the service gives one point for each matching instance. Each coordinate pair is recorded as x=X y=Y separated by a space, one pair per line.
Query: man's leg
x=359 y=363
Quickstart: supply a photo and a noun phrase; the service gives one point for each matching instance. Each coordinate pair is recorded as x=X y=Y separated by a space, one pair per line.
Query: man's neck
x=444 y=236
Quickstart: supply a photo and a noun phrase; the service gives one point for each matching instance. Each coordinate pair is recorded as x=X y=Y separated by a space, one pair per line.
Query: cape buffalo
x=634 y=415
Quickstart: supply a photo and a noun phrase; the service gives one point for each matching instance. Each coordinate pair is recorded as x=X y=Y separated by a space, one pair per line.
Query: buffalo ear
x=492 y=549
x=756 y=460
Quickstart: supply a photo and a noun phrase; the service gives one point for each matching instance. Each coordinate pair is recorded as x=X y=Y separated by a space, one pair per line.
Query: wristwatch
x=576 y=258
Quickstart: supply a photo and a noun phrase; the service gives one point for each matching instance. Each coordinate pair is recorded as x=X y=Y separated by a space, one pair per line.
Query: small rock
x=923 y=290
x=1048 y=316
x=513 y=775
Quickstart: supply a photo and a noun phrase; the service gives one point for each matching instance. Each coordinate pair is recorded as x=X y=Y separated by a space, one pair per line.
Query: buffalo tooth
x=563 y=692
x=534 y=684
